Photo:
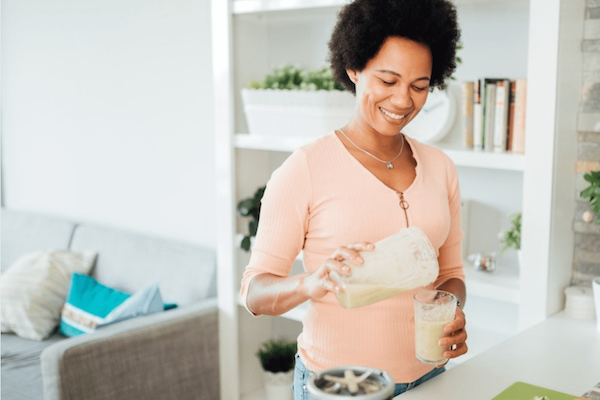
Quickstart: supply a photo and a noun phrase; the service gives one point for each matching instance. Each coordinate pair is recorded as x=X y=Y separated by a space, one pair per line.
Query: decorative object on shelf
x=512 y=237
x=277 y=361
x=436 y=118
x=483 y=262
x=250 y=207
x=579 y=302
x=296 y=102
x=292 y=77
x=592 y=193
x=588 y=217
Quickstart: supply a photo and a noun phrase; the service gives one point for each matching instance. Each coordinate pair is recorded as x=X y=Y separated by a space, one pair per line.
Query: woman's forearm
x=274 y=295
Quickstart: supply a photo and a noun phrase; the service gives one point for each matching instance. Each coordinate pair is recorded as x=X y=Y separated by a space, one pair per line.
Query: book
x=501 y=116
x=511 y=115
x=467 y=112
x=489 y=119
x=477 y=116
x=487 y=88
x=518 y=130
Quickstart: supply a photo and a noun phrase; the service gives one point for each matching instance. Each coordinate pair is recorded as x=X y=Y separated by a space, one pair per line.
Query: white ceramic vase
x=278 y=385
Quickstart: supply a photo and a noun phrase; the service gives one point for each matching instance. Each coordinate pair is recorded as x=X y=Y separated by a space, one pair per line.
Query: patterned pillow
x=91 y=305
x=34 y=288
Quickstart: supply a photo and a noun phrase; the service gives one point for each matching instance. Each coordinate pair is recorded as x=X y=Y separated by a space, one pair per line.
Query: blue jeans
x=302 y=375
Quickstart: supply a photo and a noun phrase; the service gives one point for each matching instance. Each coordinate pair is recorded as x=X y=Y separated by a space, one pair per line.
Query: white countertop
x=560 y=353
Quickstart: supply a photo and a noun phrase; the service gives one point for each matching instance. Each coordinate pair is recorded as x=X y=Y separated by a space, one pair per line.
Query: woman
x=337 y=196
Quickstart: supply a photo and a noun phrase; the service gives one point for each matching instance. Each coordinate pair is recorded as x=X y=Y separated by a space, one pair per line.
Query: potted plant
x=512 y=237
x=250 y=207
x=277 y=358
x=296 y=102
x=592 y=193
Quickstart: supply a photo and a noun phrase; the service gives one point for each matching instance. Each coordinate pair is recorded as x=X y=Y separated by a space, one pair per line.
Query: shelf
x=462 y=158
x=502 y=284
x=269 y=143
x=483 y=159
x=258 y=6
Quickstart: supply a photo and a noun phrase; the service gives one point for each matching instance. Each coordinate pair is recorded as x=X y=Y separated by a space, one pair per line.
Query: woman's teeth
x=392 y=115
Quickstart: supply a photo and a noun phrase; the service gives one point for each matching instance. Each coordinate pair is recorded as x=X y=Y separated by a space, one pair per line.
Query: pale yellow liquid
x=428 y=335
x=355 y=295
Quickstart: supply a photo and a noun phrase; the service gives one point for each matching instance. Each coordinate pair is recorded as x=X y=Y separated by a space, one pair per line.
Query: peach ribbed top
x=322 y=198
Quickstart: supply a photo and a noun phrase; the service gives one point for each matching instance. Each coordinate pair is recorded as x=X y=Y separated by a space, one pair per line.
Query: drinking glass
x=434 y=309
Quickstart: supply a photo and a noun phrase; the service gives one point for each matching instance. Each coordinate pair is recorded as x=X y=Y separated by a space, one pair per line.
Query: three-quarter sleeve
x=283 y=221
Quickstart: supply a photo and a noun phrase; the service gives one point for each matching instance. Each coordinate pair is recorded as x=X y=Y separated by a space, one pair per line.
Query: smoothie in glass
x=434 y=309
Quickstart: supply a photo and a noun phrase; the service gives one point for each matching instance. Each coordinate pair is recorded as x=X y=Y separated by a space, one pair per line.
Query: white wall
x=107 y=113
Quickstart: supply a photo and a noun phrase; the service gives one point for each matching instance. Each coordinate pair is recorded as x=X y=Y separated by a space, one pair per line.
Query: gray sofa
x=168 y=355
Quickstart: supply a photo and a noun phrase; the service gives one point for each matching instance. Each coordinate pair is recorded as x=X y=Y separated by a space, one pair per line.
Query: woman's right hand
x=318 y=283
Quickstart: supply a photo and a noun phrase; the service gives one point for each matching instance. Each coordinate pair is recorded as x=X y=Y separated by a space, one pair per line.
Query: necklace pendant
x=389 y=165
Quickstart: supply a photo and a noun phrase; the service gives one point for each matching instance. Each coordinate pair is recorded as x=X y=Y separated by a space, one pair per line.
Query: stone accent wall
x=586 y=262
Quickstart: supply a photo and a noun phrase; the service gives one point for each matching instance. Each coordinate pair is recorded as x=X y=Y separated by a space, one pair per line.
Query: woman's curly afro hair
x=363 y=25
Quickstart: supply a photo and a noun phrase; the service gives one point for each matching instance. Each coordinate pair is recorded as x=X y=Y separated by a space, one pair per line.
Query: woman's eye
x=387 y=82
x=419 y=89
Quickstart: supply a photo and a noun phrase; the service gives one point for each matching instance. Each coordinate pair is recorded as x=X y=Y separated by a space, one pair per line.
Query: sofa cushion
x=33 y=290
x=21 y=369
x=31 y=232
x=130 y=261
x=91 y=305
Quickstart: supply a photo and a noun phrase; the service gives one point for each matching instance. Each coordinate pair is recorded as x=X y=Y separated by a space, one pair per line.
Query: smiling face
x=393 y=86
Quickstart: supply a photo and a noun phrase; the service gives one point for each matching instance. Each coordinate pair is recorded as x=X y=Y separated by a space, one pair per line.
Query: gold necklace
x=389 y=163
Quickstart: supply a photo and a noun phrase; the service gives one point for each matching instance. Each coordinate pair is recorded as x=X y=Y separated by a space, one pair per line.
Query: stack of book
x=494 y=114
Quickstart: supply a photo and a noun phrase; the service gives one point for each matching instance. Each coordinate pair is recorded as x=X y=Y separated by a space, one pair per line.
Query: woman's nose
x=401 y=97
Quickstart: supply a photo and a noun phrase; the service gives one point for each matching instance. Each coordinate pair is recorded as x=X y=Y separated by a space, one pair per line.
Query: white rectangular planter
x=296 y=112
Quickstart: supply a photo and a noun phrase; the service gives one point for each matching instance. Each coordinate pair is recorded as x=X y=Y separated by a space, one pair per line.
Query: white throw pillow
x=34 y=289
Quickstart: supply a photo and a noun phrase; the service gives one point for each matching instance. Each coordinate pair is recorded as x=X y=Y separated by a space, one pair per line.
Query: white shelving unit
x=539 y=39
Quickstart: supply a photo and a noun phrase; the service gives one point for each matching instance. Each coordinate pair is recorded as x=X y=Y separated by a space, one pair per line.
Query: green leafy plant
x=250 y=207
x=277 y=355
x=292 y=77
x=512 y=236
x=592 y=192
x=458 y=59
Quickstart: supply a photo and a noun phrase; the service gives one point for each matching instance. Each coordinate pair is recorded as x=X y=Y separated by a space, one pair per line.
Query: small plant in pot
x=250 y=207
x=512 y=237
x=277 y=358
x=592 y=193
x=307 y=102
x=292 y=77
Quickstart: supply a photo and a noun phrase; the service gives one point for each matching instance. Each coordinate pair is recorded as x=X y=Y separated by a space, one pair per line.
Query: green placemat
x=525 y=391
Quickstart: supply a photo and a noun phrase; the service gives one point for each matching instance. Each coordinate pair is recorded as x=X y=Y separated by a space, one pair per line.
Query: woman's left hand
x=455 y=336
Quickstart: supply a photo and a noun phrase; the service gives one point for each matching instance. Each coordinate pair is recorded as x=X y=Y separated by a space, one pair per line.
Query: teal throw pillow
x=91 y=305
